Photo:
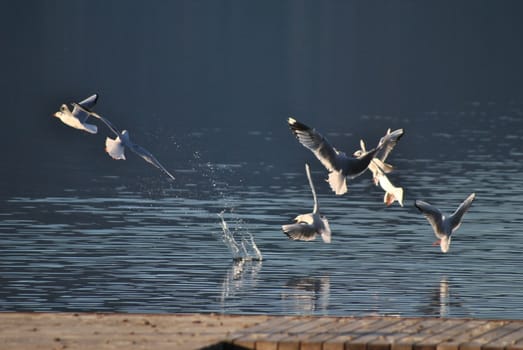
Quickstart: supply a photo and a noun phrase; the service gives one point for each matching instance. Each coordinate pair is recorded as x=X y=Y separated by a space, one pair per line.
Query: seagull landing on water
x=116 y=147
x=379 y=168
x=309 y=225
x=443 y=226
x=78 y=116
x=339 y=165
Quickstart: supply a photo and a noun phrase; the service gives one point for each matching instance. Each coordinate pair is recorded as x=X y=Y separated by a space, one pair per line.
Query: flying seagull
x=78 y=116
x=339 y=165
x=116 y=147
x=307 y=226
x=379 y=168
x=444 y=226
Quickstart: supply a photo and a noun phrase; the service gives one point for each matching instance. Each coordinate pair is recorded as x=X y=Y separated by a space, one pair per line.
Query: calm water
x=142 y=244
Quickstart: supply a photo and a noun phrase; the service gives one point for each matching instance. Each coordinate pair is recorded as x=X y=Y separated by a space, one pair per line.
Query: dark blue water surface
x=136 y=242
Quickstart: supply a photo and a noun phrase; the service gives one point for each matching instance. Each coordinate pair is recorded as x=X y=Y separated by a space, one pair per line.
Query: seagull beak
x=437 y=243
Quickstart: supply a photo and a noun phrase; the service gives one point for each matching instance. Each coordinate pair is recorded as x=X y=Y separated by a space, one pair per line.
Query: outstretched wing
x=89 y=102
x=457 y=216
x=148 y=157
x=81 y=110
x=300 y=231
x=315 y=142
x=388 y=141
x=106 y=122
x=433 y=215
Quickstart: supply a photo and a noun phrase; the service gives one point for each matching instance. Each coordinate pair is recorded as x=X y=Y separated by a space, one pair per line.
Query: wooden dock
x=207 y=331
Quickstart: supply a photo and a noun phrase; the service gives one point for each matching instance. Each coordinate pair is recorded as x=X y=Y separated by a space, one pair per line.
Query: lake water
x=139 y=243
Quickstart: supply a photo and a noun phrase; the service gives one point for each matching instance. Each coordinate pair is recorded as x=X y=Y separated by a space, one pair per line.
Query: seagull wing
x=311 y=184
x=315 y=142
x=433 y=215
x=389 y=141
x=106 y=122
x=457 y=216
x=300 y=231
x=148 y=157
x=89 y=102
x=82 y=109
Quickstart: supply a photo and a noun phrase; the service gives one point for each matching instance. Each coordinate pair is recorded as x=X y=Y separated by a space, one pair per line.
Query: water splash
x=241 y=277
x=240 y=242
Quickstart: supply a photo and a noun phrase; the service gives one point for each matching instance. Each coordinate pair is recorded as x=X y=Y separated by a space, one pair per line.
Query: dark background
x=165 y=69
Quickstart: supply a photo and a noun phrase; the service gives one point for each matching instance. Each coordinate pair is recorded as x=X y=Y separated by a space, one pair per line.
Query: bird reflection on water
x=442 y=302
x=242 y=276
x=307 y=294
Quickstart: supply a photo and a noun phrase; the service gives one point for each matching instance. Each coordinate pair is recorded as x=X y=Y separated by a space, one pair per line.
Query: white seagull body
x=444 y=226
x=339 y=165
x=116 y=147
x=379 y=168
x=78 y=116
x=309 y=225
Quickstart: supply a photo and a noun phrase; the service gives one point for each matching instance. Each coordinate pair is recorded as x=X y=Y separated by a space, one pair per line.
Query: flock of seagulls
x=339 y=165
x=342 y=166
x=77 y=118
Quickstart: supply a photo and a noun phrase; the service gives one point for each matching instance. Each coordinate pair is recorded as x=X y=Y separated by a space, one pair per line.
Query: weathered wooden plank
x=348 y=332
x=469 y=334
x=509 y=339
x=310 y=326
x=457 y=328
x=266 y=345
x=421 y=330
x=112 y=331
x=268 y=325
x=265 y=330
x=393 y=333
x=372 y=333
x=440 y=331
x=288 y=345
x=307 y=335
x=485 y=338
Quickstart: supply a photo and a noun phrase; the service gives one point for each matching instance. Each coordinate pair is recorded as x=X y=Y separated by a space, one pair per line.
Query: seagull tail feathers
x=326 y=231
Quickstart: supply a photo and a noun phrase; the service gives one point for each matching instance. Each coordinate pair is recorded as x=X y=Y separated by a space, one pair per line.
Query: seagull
x=389 y=141
x=339 y=165
x=116 y=147
x=78 y=116
x=379 y=168
x=307 y=226
x=444 y=227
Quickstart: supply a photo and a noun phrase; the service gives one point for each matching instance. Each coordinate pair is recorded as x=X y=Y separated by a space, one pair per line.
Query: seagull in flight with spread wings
x=379 y=168
x=339 y=165
x=78 y=116
x=444 y=226
x=116 y=147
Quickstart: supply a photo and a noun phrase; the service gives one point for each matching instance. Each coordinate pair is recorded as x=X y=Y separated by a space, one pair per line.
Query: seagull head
x=62 y=112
